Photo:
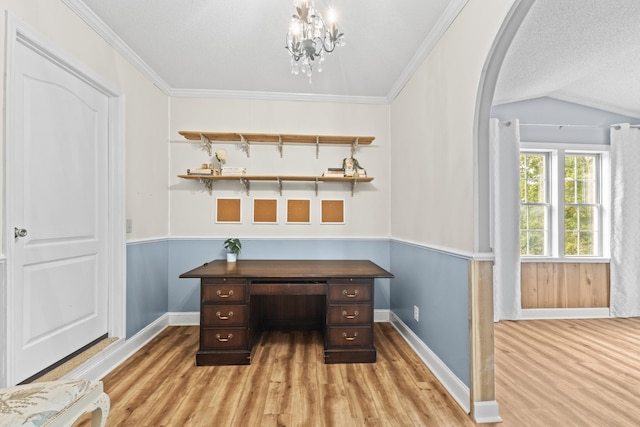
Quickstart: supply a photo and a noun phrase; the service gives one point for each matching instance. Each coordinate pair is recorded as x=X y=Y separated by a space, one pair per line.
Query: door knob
x=19 y=232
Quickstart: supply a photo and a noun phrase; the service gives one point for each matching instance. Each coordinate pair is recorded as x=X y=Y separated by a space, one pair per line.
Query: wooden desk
x=240 y=300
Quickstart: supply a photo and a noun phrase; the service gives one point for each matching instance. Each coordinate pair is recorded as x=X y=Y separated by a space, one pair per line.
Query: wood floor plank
x=287 y=384
x=568 y=372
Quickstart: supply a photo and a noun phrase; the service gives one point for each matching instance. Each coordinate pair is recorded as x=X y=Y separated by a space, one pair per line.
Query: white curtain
x=625 y=221
x=505 y=164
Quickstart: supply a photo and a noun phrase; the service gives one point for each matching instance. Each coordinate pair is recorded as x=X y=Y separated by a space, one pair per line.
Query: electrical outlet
x=129 y=226
x=416 y=313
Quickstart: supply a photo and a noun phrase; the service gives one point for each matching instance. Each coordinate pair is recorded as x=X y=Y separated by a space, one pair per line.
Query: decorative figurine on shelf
x=352 y=167
x=233 y=246
x=221 y=157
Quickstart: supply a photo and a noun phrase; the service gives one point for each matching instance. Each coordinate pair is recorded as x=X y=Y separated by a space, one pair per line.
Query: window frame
x=555 y=246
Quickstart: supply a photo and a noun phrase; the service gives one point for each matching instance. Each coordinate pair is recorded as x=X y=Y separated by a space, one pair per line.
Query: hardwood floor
x=568 y=372
x=287 y=384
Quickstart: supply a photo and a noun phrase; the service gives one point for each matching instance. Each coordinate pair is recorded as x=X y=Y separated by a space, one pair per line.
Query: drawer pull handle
x=221 y=317
x=347 y=338
x=227 y=339
x=348 y=295
x=219 y=293
x=350 y=316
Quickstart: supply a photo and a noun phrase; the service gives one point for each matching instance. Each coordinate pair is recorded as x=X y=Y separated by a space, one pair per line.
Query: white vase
x=231 y=257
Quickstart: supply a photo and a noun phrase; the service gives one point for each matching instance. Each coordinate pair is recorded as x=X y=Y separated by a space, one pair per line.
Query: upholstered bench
x=53 y=404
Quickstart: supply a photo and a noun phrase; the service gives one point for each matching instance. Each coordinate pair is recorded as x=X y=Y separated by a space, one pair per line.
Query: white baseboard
x=486 y=412
x=184 y=318
x=381 y=315
x=456 y=388
x=564 y=313
x=110 y=358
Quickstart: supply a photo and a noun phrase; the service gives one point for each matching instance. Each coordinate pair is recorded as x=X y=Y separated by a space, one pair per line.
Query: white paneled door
x=59 y=206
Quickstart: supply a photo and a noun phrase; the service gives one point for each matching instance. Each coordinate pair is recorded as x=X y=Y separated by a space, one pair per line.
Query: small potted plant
x=233 y=246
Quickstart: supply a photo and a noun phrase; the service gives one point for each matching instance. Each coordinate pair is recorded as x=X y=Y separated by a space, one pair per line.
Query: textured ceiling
x=583 y=51
x=238 y=45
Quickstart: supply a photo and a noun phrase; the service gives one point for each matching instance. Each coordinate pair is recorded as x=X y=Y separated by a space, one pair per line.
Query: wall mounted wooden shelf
x=246 y=139
x=208 y=180
x=249 y=138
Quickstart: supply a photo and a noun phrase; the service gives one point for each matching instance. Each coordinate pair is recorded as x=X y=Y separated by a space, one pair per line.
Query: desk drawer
x=349 y=336
x=223 y=338
x=349 y=314
x=350 y=292
x=224 y=315
x=222 y=293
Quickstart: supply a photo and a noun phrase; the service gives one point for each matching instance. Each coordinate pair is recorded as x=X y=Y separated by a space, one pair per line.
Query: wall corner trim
x=486 y=412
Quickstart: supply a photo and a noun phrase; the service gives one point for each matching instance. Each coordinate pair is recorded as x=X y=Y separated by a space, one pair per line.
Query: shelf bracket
x=353 y=186
x=316 y=187
x=280 y=185
x=207 y=142
x=245 y=144
x=280 y=145
x=354 y=145
x=245 y=182
x=208 y=184
x=317 y=147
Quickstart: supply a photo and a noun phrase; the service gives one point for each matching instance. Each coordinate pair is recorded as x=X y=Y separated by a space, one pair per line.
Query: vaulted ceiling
x=237 y=47
x=584 y=51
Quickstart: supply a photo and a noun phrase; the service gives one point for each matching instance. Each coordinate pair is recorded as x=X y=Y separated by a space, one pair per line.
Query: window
x=581 y=204
x=561 y=203
x=534 y=204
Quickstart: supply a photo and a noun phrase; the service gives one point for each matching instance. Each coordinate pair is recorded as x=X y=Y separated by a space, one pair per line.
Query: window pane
x=569 y=190
x=532 y=229
x=587 y=218
x=586 y=243
x=536 y=243
x=580 y=227
x=585 y=167
x=580 y=178
x=570 y=218
x=536 y=217
x=532 y=178
x=571 y=243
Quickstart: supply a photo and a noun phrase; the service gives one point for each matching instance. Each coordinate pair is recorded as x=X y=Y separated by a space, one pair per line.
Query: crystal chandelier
x=309 y=37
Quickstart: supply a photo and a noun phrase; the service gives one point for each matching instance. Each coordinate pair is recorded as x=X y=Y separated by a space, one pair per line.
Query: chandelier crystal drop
x=309 y=37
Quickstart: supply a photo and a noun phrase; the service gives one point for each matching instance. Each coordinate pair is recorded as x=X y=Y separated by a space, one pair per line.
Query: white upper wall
x=192 y=209
x=146 y=107
x=432 y=155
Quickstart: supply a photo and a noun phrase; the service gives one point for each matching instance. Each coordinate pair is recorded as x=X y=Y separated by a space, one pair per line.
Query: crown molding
x=276 y=96
x=438 y=30
x=103 y=30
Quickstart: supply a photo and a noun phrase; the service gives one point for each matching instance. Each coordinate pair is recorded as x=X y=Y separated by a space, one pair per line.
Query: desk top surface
x=289 y=269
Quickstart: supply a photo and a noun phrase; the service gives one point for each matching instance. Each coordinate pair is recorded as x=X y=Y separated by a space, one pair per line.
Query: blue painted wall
x=147 y=284
x=438 y=284
x=553 y=111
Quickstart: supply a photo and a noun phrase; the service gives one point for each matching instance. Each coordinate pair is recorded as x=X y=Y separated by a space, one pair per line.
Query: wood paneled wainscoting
x=565 y=285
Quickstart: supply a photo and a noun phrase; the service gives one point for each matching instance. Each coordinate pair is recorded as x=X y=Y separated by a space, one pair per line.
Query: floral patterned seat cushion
x=39 y=403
